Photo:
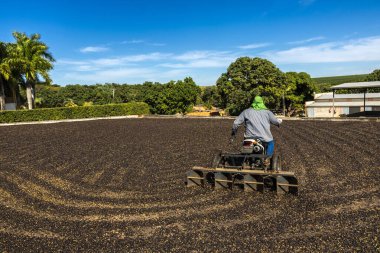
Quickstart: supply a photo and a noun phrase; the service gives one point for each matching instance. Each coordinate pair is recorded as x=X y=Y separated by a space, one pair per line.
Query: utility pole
x=283 y=103
x=113 y=95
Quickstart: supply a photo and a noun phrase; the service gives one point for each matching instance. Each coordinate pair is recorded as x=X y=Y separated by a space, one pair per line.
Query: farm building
x=345 y=104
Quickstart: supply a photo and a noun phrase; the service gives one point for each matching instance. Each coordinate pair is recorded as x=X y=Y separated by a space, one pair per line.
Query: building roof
x=343 y=104
x=349 y=96
x=359 y=85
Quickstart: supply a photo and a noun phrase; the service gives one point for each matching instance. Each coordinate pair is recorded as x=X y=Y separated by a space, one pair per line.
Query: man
x=257 y=120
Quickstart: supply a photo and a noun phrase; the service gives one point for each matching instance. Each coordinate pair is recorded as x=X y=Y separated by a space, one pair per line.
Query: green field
x=323 y=83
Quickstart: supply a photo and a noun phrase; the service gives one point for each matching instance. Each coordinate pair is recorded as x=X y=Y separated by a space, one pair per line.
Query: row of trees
x=234 y=91
x=23 y=63
x=168 y=98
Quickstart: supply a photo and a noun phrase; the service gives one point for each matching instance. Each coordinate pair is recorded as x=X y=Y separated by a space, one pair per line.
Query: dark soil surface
x=118 y=185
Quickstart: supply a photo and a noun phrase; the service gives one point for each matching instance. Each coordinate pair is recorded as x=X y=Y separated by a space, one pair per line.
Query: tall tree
x=247 y=77
x=33 y=60
x=5 y=72
x=172 y=97
x=209 y=96
x=374 y=76
x=297 y=90
x=182 y=95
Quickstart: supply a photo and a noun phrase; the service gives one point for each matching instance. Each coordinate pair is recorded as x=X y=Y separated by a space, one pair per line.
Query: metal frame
x=245 y=155
x=240 y=155
x=252 y=180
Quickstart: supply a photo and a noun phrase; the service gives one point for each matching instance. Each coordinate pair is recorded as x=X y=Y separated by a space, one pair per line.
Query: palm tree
x=32 y=58
x=5 y=72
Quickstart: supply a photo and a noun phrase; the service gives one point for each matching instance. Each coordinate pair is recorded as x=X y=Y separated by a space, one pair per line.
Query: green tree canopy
x=298 y=88
x=374 y=76
x=171 y=98
x=31 y=58
x=5 y=72
x=247 y=77
x=210 y=96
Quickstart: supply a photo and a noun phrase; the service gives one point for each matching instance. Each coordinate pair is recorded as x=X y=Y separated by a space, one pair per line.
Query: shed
x=363 y=86
x=332 y=104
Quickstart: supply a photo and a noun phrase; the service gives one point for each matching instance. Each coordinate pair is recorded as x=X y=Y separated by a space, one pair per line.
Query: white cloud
x=156 y=44
x=69 y=62
x=132 y=42
x=138 y=68
x=93 y=49
x=207 y=65
x=201 y=54
x=145 y=57
x=123 y=60
x=173 y=74
x=307 y=40
x=124 y=72
x=112 y=62
x=365 y=49
x=204 y=63
x=172 y=65
x=104 y=62
x=86 y=68
x=253 y=46
x=128 y=75
x=191 y=59
x=130 y=58
x=211 y=63
x=111 y=75
x=200 y=59
x=193 y=55
x=351 y=35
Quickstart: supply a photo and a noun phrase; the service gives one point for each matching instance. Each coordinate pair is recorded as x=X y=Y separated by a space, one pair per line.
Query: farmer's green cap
x=258 y=103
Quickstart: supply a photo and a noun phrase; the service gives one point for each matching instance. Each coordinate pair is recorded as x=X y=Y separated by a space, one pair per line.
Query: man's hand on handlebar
x=279 y=122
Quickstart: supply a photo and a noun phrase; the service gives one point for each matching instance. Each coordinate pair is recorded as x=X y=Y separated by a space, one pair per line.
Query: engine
x=252 y=146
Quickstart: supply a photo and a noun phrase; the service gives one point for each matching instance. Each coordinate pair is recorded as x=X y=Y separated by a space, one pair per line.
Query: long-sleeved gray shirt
x=257 y=123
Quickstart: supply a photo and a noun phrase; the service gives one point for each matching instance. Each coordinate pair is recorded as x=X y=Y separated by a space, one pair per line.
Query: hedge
x=79 y=112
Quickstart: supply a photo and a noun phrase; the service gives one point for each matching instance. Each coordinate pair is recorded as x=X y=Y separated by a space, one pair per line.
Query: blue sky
x=133 y=41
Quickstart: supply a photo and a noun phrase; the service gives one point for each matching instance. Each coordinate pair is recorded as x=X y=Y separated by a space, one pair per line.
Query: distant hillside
x=335 y=80
x=323 y=83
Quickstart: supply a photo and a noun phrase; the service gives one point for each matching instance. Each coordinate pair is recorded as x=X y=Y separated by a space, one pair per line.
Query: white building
x=343 y=104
